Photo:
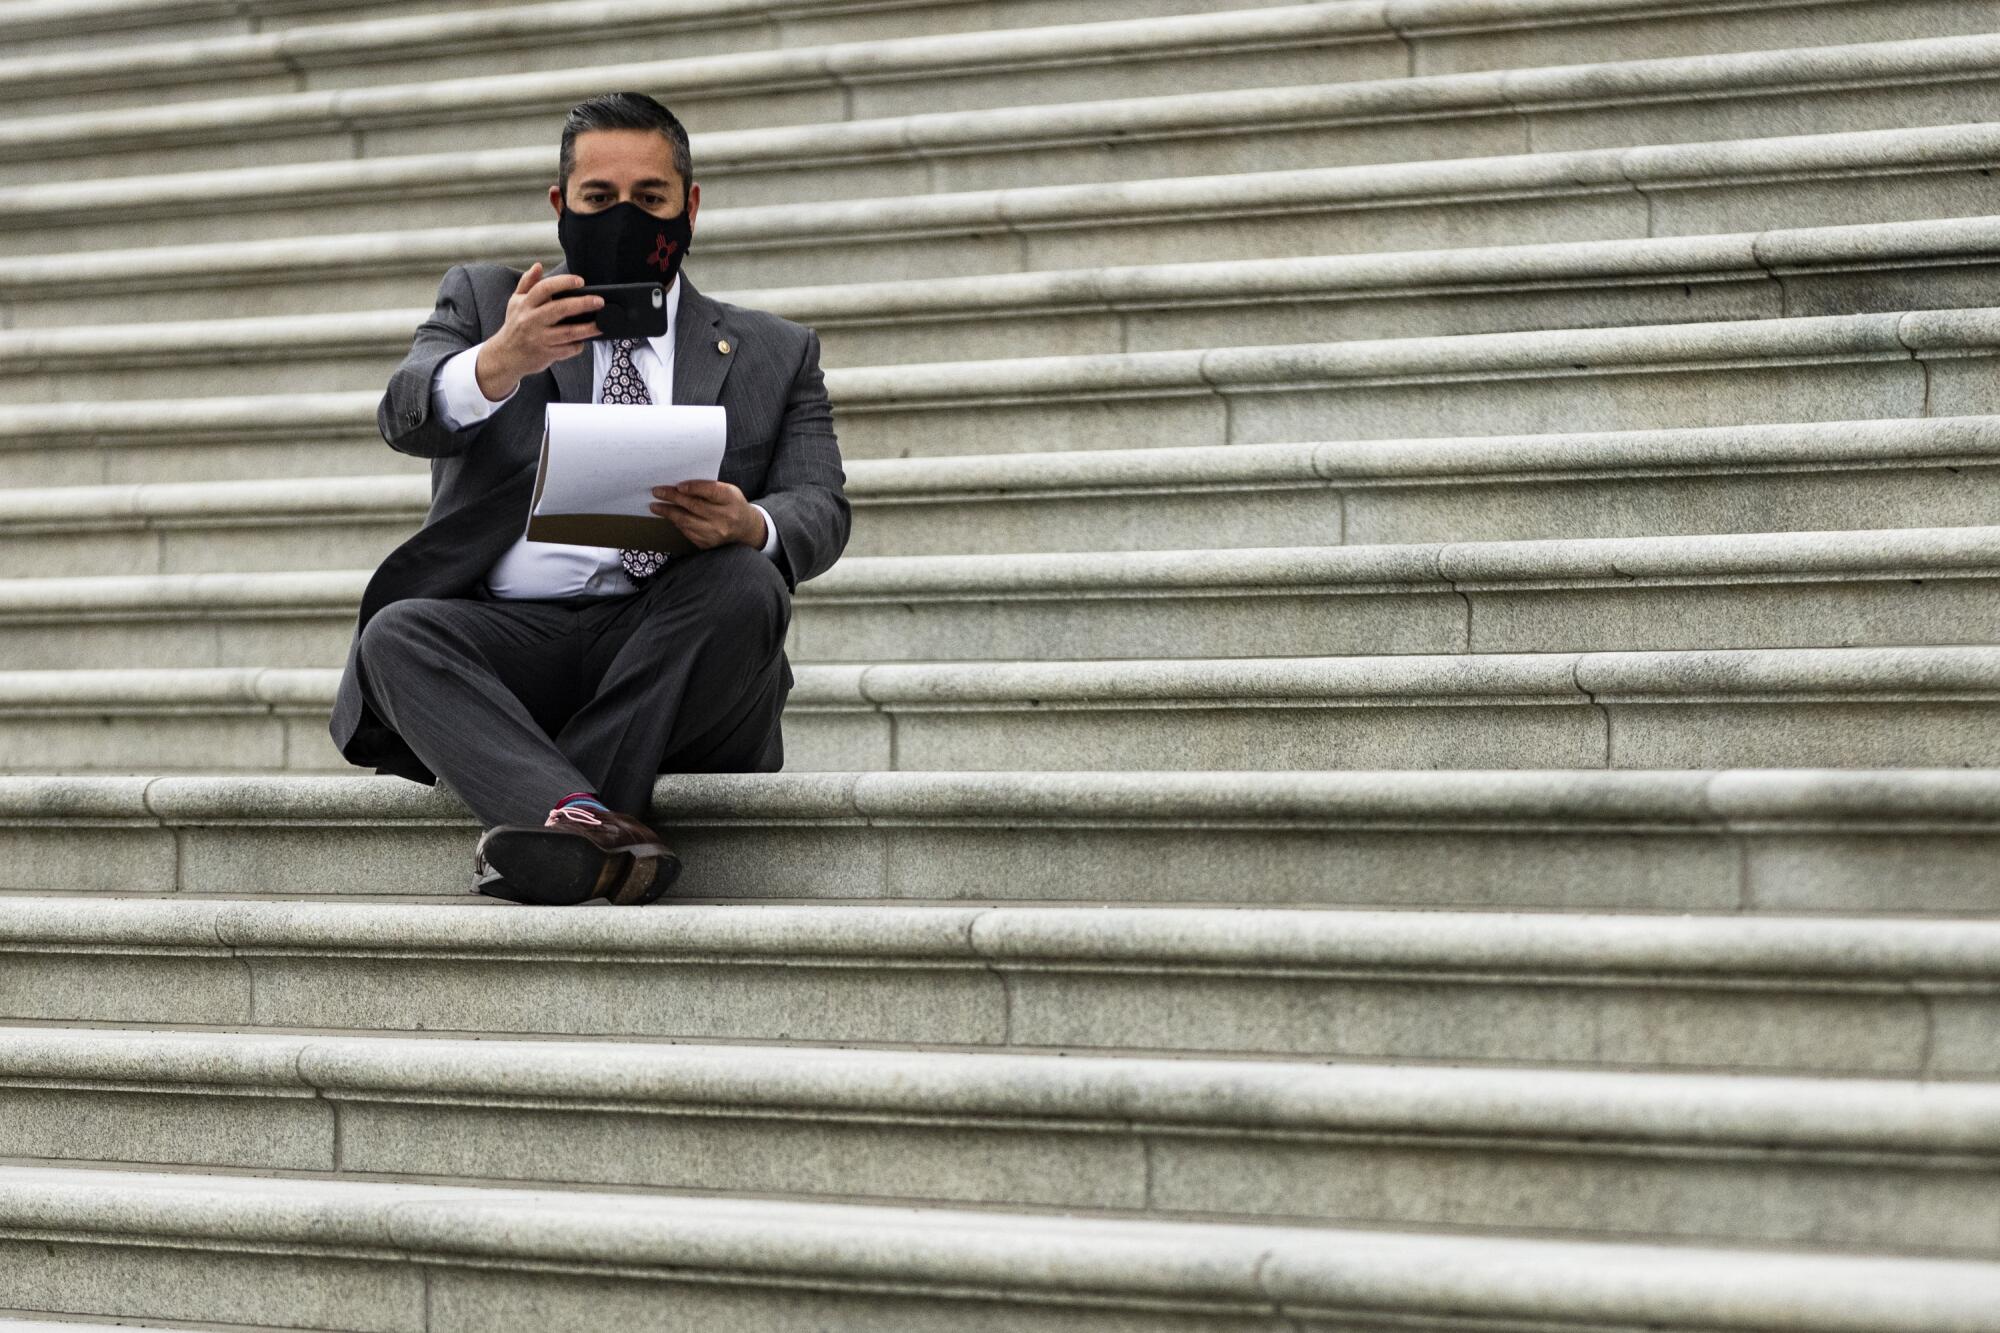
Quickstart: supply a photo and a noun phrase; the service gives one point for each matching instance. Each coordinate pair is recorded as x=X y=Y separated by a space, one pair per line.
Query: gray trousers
x=515 y=703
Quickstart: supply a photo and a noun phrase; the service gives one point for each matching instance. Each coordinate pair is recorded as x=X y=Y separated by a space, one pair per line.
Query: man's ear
x=555 y=199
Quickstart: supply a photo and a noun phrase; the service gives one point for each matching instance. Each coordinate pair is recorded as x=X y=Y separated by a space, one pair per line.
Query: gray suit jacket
x=781 y=452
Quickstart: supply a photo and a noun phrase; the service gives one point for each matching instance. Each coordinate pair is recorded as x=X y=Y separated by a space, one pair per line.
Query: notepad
x=601 y=461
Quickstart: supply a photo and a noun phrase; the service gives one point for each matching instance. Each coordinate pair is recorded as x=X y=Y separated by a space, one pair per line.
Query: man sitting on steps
x=545 y=684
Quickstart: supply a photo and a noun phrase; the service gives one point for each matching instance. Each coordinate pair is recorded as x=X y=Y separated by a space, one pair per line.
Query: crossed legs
x=514 y=703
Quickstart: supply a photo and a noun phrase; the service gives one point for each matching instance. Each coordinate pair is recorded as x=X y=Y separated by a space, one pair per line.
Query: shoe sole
x=541 y=865
x=649 y=877
x=498 y=887
x=560 y=869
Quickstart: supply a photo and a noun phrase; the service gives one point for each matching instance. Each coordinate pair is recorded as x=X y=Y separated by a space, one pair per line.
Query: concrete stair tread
x=1457 y=30
x=1828 y=1080
x=1555 y=357
x=336 y=40
x=1598 y=1107
x=352 y=41
x=1686 y=799
x=1625 y=560
x=1672 y=260
x=1843 y=707
x=1864 y=475
x=1792 y=589
x=347 y=39
x=375 y=1107
x=313 y=50
x=1777 y=674
x=1559 y=838
x=1828 y=949
x=1063 y=1260
x=1871 y=994
x=1629 y=171
x=1756 y=76
x=1617 y=561
x=152 y=21
x=1972 y=440
x=1168 y=39
x=9 y=1325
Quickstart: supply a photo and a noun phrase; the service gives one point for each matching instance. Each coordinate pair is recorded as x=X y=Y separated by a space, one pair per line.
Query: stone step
x=1810 y=90
x=331 y=51
x=354 y=1254
x=1881 y=841
x=1879 y=995
x=349 y=111
x=73 y=25
x=1869 y=268
x=1801 y=707
x=87 y=1326
x=1911 y=472
x=152 y=109
x=1899 y=587
x=1824 y=589
x=1905 y=1165
x=1929 y=363
x=1596 y=194
x=1173 y=942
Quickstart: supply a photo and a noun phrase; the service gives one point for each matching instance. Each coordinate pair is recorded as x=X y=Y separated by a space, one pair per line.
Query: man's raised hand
x=530 y=340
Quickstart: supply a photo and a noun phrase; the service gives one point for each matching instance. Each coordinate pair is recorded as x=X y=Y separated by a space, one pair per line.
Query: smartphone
x=630 y=309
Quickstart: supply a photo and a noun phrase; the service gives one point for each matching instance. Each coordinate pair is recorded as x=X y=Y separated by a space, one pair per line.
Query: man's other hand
x=710 y=513
x=529 y=340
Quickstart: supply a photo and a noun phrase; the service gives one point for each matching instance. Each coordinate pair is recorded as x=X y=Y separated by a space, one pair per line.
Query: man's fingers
x=546 y=290
x=693 y=504
x=566 y=279
x=699 y=508
x=694 y=528
x=717 y=492
x=570 y=305
x=559 y=334
x=528 y=278
x=550 y=315
x=685 y=514
x=553 y=312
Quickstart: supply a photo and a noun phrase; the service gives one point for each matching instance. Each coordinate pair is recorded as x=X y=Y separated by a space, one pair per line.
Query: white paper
x=606 y=458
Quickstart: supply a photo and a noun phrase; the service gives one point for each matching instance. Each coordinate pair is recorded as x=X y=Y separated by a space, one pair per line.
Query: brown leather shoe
x=578 y=853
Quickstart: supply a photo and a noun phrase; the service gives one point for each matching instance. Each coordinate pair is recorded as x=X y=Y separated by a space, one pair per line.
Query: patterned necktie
x=624 y=384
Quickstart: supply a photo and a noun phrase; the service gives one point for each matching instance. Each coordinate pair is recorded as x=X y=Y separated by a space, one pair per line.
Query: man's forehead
x=641 y=148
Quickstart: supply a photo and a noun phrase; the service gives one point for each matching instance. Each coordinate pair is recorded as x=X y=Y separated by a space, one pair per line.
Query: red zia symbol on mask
x=663 y=250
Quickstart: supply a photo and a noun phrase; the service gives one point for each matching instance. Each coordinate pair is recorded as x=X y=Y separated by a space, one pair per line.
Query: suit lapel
x=700 y=365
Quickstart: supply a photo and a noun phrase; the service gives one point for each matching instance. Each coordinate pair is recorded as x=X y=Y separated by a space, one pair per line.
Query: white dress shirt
x=560 y=569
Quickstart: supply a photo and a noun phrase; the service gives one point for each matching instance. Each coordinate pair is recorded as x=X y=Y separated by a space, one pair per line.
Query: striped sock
x=588 y=798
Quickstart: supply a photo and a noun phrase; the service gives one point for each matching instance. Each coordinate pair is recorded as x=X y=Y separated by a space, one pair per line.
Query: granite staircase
x=1408 y=738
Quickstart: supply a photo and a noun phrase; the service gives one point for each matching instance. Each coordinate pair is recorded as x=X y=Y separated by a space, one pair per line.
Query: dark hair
x=622 y=111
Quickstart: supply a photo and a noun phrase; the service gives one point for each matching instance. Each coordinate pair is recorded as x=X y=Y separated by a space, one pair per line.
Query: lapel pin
x=722 y=346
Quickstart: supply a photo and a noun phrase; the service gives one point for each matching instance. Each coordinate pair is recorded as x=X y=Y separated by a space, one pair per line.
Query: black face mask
x=624 y=243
